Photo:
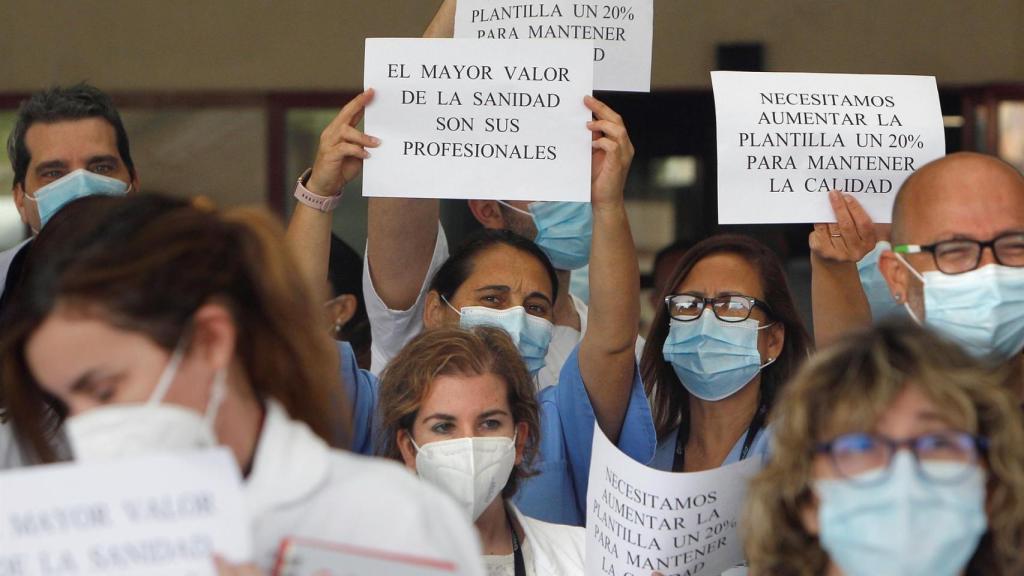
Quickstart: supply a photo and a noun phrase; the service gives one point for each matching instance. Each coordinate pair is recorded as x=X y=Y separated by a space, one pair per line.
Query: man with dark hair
x=67 y=132
x=67 y=143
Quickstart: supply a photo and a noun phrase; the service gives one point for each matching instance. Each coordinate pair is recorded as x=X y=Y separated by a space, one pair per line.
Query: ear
x=896 y=275
x=404 y=441
x=488 y=213
x=25 y=209
x=134 y=183
x=214 y=336
x=343 y=308
x=435 y=311
x=522 y=437
x=776 y=340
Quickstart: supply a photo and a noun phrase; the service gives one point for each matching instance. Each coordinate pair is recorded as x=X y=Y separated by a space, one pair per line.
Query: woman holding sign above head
x=459 y=408
x=498 y=278
x=147 y=325
x=725 y=342
x=894 y=453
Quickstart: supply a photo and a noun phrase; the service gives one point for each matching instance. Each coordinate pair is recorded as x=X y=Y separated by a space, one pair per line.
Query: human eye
x=491 y=424
x=53 y=174
x=492 y=300
x=537 y=309
x=442 y=428
x=102 y=169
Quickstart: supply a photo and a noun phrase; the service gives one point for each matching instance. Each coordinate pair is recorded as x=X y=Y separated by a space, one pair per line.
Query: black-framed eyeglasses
x=941 y=457
x=963 y=254
x=727 y=308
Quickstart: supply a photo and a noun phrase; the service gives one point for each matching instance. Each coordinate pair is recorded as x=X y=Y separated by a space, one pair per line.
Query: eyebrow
x=104 y=158
x=505 y=290
x=50 y=165
x=83 y=383
x=496 y=412
x=439 y=416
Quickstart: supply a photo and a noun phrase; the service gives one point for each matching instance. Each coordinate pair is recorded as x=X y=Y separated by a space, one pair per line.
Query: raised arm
x=838 y=301
x=339 y=159
x=402 y=232
x=606 y=356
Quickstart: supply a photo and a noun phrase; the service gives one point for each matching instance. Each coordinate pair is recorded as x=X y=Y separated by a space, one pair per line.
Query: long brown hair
x=146 y=263
x=406 y=381
x=669 y=399
x=848 y=387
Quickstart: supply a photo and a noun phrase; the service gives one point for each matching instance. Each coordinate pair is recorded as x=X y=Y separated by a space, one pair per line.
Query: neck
x=565 y=311
x=715 y=427
x=239 y=424
x=492 y=526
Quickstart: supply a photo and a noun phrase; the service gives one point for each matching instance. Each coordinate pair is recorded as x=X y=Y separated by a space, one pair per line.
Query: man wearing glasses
x=957 y=263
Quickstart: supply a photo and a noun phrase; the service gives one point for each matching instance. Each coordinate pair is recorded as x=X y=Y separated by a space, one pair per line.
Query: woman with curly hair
x=894 y=453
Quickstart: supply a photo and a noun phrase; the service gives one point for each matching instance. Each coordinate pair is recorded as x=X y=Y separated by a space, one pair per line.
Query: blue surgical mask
x=531 y=334
x=714 y=359
x=883 y=305
x=982 y=310
x=564 y=230
x=904 y=525
x=77 y=184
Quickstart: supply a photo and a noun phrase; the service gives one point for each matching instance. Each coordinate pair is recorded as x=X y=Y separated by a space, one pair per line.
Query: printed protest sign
x=622 y=31
x=641 y=520
x=159 y=515
x=304 y=557
x=786 y=140
x=501 y=120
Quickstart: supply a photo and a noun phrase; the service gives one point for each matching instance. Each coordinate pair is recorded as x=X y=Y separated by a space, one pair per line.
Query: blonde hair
x=406 y=381
x=848 y=387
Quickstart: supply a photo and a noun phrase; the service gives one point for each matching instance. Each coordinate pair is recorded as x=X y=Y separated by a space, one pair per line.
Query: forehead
x=723 y=272
x=465 y=395
x=70 y=139
x=506 y=266
x=975 y=197
x=69 y=344
x=910 y=412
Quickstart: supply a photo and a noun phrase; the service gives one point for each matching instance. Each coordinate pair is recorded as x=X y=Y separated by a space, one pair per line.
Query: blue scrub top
x=558 y=493
x=665 y=456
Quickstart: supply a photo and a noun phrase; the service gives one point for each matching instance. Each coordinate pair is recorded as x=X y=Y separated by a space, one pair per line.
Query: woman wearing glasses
x=727 y=339
x=894 y=452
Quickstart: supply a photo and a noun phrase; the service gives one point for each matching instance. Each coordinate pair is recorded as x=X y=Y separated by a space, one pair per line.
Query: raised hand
x=342 y=149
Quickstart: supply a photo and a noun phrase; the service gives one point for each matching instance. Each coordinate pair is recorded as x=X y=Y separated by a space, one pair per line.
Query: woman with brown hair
x=894 y=452
x=726 y=341
x=144 y=324
x=459 y=408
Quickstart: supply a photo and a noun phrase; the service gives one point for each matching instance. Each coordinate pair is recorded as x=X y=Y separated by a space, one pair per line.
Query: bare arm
x=838 y=301
x=402 y=231
x=339 y=159
x=607 y=360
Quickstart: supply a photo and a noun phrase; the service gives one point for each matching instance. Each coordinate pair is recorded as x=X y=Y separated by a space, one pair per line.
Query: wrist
x=316 y=195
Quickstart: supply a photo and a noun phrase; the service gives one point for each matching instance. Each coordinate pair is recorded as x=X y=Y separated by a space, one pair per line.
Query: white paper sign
x=641 y=520
x=154 y=516
x=501 y=120
x=786 y=140
x=303 y=557
x=622 y=31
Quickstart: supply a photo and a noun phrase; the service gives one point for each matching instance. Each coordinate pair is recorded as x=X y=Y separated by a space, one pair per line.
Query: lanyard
x=517 y=550
x=680 y=458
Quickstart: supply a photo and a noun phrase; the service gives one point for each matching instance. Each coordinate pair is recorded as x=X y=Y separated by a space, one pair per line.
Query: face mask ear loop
x=906 y=305
x=454 y=309
x=167 y=377
x=217 y=394
x=511 y=207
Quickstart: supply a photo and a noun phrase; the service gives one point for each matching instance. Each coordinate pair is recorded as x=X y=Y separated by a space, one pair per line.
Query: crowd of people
x=891 y=443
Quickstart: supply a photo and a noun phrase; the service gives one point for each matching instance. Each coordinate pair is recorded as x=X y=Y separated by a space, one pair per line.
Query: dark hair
x=407 y=380
x=669 y=399
x=345 y=272
x=58 y=104
x=458 y=267
x=146 y=263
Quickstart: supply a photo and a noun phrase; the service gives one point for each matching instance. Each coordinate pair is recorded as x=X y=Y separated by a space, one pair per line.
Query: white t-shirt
x=393 y=329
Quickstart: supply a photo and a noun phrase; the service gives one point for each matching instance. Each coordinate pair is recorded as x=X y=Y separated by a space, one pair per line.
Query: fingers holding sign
x=343 y=147
x=850 y=238
x=226 y=569
x=612 y=153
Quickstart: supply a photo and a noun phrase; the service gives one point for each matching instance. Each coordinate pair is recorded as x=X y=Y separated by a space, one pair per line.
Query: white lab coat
x=301 y=487
x=557 y=549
